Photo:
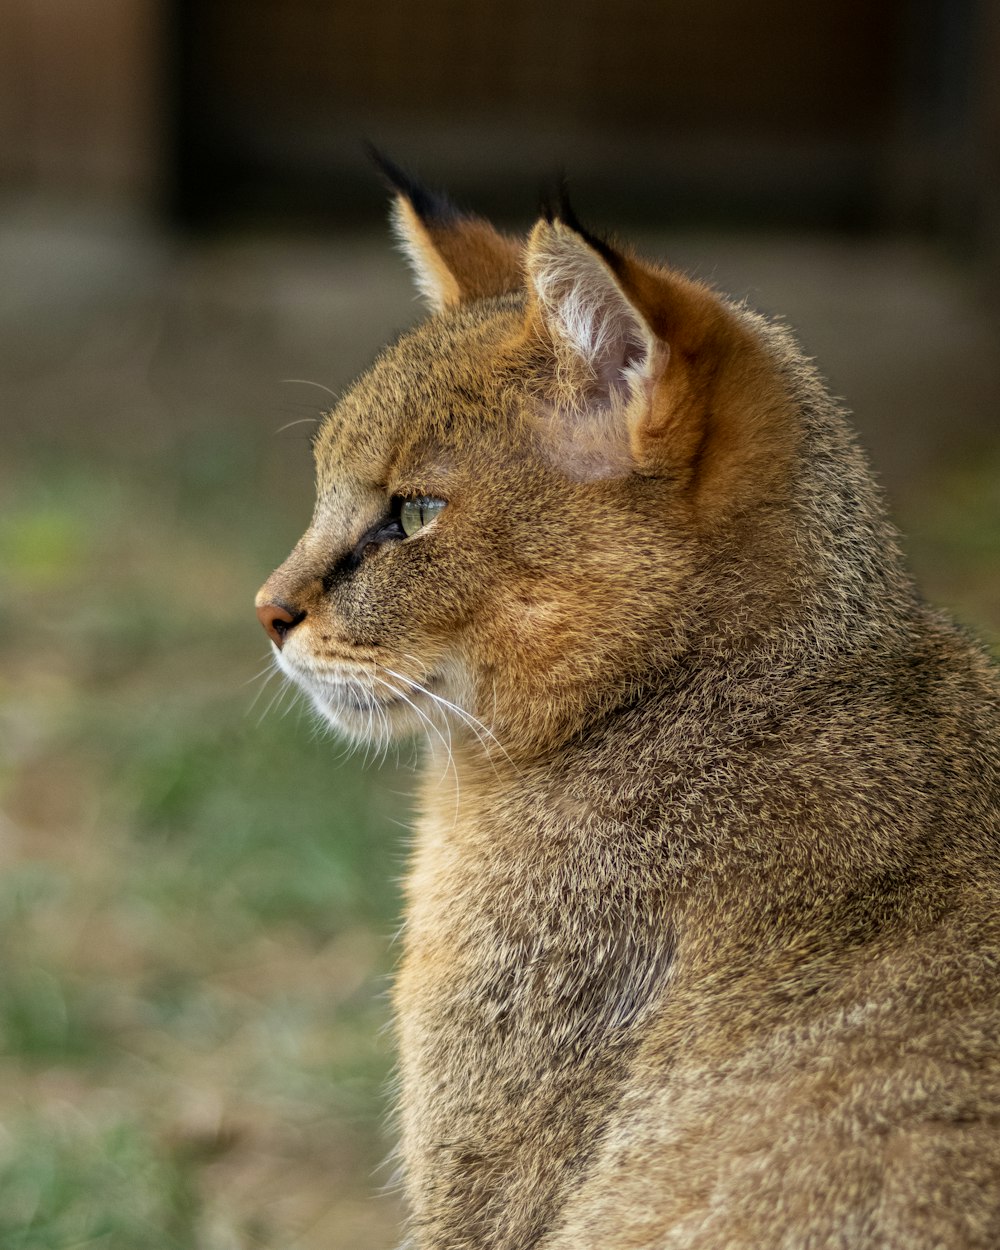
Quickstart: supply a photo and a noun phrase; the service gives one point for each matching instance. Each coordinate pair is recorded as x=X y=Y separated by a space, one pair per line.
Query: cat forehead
x=432 y=388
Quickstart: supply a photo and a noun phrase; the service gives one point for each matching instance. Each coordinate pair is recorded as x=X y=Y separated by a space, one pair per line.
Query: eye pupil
x=414 y=514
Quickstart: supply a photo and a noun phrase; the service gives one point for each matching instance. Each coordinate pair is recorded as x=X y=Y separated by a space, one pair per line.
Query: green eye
x=414 y=514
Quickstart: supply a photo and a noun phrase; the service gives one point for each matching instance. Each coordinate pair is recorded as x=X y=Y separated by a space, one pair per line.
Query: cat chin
x=368 y=722
x=363 y=714
x=379 y=707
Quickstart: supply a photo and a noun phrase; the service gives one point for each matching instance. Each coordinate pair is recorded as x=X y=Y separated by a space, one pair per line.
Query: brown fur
x=702 y=932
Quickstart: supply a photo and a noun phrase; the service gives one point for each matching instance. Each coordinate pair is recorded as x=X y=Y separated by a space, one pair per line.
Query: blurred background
x=198 y=891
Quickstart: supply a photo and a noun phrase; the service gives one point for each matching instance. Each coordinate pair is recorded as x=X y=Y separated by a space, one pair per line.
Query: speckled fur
x=701 y=949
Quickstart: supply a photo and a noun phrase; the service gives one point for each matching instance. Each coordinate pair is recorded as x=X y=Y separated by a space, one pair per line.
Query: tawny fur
x=702 y=943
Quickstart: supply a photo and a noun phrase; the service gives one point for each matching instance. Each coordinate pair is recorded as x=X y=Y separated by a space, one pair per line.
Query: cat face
x=411 y=530
x=507 y=532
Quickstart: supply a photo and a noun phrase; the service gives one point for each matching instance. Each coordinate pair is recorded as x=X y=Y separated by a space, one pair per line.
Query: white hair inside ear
x=587 y=312
x=591 y=320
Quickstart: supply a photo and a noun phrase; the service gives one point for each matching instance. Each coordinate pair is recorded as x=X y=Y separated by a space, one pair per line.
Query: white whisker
x=278 y=694
x=476 y=725
x=300 y=421
x=263 y=686
x=445 y=742
x=306 y=382
x=291 y=702
x=409 y=702
x=269 y=668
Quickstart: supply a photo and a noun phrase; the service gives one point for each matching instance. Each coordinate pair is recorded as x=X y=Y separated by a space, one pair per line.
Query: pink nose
x=278 y=621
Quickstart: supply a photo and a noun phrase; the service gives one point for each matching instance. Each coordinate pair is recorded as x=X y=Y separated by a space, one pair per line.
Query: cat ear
x=630 y=346
x=606 y=355
x=587 y=312
x=455 y=257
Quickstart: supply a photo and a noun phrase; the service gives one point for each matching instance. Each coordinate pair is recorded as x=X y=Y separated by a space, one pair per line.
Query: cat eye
x=414 y=514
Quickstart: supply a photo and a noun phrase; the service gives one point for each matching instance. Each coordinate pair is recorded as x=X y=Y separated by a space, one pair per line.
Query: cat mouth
x=379 y=709
x=374 y=693
x=370 y=700
x=361 y=700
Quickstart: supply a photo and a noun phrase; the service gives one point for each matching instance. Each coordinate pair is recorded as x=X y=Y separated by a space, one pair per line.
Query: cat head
x=527 y=507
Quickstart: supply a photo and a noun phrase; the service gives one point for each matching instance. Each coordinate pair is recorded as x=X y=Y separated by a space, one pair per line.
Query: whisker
x=476 y=725
x=446 y=743
x=446 y=705
x=299 y=421
x=269 y=668
x=375 y=716
x=470 y=720
x=255 y=699
x=357 y=685
x=306 y=382
x=264 y=677
x=478 y=728
x=278 y=694
x=401 y=694
x=291 y=702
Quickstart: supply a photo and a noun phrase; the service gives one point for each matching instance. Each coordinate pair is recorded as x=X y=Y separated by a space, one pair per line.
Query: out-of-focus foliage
x=197 y=894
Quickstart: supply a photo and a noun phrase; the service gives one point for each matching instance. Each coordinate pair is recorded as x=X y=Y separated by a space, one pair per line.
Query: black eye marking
x=387 y=530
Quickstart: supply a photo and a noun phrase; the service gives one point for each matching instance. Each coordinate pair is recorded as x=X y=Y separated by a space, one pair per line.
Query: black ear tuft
x=556 y=206
x=430 y=206
x=554 y=202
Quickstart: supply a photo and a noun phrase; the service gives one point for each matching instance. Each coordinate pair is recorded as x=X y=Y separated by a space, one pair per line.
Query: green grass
x=953 y=538
x=200 y=897
x=68 y=1185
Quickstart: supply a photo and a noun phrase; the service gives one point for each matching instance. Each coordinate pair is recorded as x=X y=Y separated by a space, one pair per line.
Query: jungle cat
x=702 y=935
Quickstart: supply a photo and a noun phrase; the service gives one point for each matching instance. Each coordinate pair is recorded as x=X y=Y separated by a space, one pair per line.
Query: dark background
x=835 y=114
x=198 y=890
x=843 y=114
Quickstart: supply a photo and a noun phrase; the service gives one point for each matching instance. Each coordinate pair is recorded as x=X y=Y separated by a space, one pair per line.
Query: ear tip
x=385 y=165
x=429 y=205
x=558 y=213
x=554 y=203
